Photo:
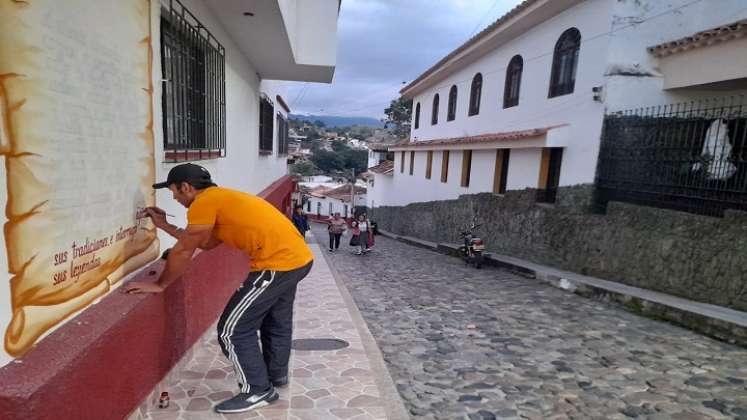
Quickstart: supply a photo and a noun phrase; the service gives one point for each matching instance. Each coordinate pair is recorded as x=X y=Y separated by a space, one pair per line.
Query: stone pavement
x=462 y=343
x=324 y=385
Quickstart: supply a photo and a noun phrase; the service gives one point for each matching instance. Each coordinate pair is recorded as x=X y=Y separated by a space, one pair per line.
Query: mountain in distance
x=336 y=121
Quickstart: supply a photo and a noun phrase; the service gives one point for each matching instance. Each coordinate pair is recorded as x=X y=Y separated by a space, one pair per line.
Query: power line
x=495 y=3
x=301 y=92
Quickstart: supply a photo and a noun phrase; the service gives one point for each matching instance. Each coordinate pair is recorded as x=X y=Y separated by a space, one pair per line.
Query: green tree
x=398 y=116
x=355 y=159
x=328 y=161
x=320 y=123
x=304 y=169
x=340 y=146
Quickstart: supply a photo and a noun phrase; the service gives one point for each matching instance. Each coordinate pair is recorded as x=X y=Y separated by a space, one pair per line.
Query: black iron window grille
x=451 y=114
x=282 y=135
x=417 y=115
x=434 y=112
x=194 y=91
x=266 y=127
x=475 y=94
x=513 y=82
x=689 y=157
x=565 y=63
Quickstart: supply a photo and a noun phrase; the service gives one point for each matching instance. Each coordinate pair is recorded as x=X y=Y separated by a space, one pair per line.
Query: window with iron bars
x=565 y=63
x=282 y=135
x=193 y=99
x=266 y=119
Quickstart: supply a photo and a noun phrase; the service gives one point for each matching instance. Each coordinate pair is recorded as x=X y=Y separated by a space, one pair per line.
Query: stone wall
x=695 y=257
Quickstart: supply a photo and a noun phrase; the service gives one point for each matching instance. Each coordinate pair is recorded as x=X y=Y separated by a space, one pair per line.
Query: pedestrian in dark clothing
x=300 y=220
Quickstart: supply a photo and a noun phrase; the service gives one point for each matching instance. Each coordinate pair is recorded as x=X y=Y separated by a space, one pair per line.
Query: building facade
x=323 y=204
x=98 y=100
x=521 y=105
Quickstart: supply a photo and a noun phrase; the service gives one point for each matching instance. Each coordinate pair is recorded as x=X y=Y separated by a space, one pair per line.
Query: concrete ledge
x=104 y=361
x=715 y=321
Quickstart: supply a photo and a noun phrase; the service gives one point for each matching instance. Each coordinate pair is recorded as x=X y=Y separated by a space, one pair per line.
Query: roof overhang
x=519 y=20
x=284 y=39
x=383 y=168
x=713 y=59
x=554 y=136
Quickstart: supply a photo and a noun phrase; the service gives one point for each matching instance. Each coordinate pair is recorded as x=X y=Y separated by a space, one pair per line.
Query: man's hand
x=138 y=287
x=158 y=216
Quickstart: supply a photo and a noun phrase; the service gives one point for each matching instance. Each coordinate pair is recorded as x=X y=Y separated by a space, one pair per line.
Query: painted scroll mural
x=76 y=134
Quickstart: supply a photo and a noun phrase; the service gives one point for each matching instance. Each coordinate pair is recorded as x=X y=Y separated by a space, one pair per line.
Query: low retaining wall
x=101 y=364
x=695 y=257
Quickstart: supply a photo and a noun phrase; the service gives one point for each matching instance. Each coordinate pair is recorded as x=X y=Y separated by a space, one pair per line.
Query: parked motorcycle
x=472 y=248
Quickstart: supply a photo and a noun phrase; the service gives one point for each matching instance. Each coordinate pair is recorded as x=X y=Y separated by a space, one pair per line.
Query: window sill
x=265 y=152
x=559 y=95
x=171 y=156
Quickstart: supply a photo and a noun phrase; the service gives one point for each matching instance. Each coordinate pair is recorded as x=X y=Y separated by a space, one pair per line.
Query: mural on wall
x=76 y=134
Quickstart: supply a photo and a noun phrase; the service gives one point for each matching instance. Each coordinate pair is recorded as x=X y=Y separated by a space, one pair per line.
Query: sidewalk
x=351 y=383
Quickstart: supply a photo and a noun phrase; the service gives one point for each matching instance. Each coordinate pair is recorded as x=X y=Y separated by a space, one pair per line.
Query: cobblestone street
x=462 y=343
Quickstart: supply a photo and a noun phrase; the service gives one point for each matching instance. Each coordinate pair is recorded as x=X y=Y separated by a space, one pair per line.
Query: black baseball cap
x=190 y=173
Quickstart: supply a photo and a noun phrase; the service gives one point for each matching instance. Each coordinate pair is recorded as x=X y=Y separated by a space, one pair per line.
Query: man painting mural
x=264 y=302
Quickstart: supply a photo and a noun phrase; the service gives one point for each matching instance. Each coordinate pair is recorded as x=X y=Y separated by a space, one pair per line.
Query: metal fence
x=194 y=92
x=689 y=156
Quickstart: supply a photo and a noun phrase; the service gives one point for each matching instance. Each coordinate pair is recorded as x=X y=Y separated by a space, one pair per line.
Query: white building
x=114 y=94
x=521 y=104
x=325 y=203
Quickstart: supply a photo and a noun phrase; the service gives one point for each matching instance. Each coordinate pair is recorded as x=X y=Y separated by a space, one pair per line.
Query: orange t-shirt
x=253 y=225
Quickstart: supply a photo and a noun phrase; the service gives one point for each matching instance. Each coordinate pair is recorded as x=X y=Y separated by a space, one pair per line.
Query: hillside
x=337 y=121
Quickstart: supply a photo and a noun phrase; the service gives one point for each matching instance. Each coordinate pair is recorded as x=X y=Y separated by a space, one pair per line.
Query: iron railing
x=194 y=88
x=689 y=156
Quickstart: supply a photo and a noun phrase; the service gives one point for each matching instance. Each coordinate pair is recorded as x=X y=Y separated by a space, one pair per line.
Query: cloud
x=382 y=43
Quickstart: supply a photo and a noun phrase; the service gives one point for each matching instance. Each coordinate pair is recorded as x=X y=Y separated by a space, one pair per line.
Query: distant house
x=323 y=202
x=521 y=105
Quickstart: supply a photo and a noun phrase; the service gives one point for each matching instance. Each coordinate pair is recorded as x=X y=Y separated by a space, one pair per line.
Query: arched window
x=474 y=95
x=434 y=113
x=513 y=82
x=564 y=63
x=417 y=115
x=451 y=114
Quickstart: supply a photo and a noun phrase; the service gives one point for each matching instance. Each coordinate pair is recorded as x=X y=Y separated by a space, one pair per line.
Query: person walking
x=336 y=228
x=362 y=226
x=300 y=220
x=279 y=259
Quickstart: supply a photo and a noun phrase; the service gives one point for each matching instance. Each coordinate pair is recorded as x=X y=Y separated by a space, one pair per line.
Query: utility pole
x=352 y=190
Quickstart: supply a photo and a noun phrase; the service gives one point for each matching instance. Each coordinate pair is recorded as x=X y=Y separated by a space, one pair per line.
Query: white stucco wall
x=379 y=194
x=523 y=169
x=242 y=168
x=315 y=45
x=614 y=37
x=338 y=206
x=653 y=26
x=578 y=110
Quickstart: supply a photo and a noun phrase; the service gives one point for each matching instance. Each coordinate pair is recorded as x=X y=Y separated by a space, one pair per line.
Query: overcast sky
x=382 y=43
